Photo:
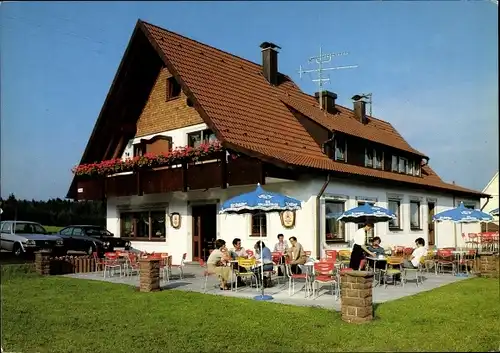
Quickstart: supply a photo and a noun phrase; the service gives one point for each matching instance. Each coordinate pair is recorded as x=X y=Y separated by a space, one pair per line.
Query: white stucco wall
x=492 y=190
x=179 y=241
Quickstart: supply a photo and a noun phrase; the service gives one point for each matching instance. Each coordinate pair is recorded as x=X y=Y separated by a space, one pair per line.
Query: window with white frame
x=258 y=225
x=197 y=138
x=379 y=159
x=395 y=207
x=403 y=164
x=368 y=157
x=340 y=149
x=409 y=168
x=415 y=223
x=417 y=168
x=334 y=229
x=394 y=164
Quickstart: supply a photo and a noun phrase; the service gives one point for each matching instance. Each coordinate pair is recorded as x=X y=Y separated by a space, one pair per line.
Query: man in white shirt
x=417 y=254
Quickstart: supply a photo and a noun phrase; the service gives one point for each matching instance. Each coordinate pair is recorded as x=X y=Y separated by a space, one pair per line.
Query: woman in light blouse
x=217 y=263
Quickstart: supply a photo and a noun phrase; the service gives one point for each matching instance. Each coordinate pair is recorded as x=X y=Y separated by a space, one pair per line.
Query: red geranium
x=149 y=160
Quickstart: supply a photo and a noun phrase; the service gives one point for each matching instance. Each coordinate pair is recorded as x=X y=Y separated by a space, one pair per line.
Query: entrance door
x=431 y=206
x=204 y=230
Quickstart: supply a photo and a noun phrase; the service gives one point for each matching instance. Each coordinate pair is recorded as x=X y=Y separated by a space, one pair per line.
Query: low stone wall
x=45 y=264
x=356 y=296
x=488 y=265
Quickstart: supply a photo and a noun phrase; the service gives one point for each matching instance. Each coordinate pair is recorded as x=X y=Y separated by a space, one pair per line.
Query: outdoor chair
x=111 y=262
x=394 y=270
x=407 y=252
x=247 y=264
x=399 y=251
x=131 y=264
x=99 y=263
x=292 y=278
x=277 y=257
x=180 y=266
x=324 y=273
x=470 y=261
x=206 y=274
x=429 y=261
x=344 y=257
x=331 y=255
x=445 y=258
x=419 y=272
x=249 y=253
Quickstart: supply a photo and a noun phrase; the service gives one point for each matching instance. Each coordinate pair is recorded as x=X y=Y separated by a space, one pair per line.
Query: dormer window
x=340 y=148
x=409 y=168
x=195 y=139
x=417 y=168
x=368 y=157
x=394 y=164
x=173 y=88
x=379 y=159
x=403 y=164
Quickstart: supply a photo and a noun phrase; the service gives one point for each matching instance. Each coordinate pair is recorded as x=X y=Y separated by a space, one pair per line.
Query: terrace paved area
x=193 y=281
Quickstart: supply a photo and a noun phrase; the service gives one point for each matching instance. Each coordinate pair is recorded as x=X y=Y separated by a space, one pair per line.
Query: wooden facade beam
x=223 y=169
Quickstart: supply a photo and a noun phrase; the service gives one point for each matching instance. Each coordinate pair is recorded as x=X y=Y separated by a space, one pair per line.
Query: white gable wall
x=492 y=190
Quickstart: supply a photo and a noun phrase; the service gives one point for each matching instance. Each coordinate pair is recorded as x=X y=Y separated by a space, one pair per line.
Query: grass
x=53 y=229
x=57 y=314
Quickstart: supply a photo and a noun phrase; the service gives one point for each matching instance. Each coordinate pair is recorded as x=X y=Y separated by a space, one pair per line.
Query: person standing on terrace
x=359 y=248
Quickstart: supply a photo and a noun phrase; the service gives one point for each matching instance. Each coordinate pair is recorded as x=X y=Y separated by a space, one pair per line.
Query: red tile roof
x=249 y=114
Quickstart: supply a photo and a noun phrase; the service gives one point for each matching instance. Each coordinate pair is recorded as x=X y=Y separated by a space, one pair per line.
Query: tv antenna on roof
x=368 y=97
x=321 y=60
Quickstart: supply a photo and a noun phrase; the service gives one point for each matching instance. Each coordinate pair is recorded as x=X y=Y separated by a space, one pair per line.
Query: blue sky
x=432 y=68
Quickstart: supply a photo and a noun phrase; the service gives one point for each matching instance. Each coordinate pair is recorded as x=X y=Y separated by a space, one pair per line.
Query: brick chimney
x=360 y=109
x=270 y=62
x=327 y=101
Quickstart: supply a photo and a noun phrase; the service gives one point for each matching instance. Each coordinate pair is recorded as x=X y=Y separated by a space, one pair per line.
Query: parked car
x=91 y=239
x=22 y=237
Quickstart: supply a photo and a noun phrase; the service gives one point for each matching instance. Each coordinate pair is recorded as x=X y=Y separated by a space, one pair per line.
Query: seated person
x=296 y=255
x=281 y=245
x=417 y=254
x=264 y=262
x=375 y=247
x=377 y=250
x=238 y=250
x=217 y=263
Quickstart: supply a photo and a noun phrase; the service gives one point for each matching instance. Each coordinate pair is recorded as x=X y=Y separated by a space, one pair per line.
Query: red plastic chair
x=249 y=253
x=324 y=274
x=331 y=255
x=445 y=258
x=292 y=277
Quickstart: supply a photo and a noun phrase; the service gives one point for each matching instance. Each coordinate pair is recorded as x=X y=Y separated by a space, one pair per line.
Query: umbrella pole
x=262 y=296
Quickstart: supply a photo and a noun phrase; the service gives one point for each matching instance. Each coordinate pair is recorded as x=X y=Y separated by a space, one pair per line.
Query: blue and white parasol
x=462 y=214
x=260 y=201
x=367 y=214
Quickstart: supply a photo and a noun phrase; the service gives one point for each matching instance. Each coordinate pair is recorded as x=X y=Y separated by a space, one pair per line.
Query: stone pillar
x=489 y=265
x=42 y=262
x=149 y=275
x=356 y=296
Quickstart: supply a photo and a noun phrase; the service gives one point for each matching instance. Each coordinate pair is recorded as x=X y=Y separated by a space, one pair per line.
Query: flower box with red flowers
x=148 y=161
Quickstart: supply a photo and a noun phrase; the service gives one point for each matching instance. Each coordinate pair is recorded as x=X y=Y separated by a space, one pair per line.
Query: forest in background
x=54 y=212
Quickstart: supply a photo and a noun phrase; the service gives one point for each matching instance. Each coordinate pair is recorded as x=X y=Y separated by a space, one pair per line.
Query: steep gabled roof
x=251 y=116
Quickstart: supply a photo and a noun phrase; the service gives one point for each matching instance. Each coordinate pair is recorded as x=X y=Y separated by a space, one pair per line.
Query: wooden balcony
x=200 y=176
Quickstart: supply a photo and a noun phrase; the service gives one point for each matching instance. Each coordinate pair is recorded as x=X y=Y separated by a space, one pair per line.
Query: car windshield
x=96 y=232
x=28 y=228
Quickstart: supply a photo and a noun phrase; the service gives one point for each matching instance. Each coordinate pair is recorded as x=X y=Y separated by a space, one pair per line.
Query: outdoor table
x=375 y=260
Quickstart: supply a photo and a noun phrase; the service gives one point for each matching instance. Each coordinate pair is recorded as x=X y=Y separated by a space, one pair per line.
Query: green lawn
x=56 y=314
x=53 y=229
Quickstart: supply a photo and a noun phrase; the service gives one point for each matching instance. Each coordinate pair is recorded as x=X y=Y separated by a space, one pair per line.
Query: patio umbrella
x=367 y=214
x=462 y=214
x=494 y=212
x=260 y=201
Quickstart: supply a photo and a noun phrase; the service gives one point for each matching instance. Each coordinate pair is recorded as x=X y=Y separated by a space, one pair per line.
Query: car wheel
x=17 y=250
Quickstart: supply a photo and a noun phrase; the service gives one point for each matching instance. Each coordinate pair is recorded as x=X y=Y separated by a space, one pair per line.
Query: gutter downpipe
x=318 y=215
x=482 y=208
